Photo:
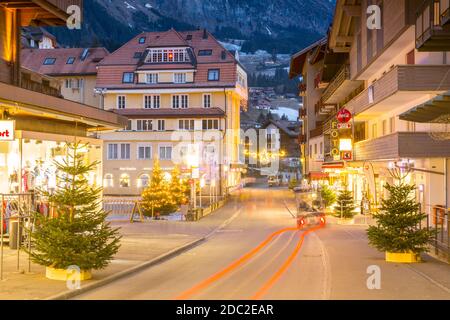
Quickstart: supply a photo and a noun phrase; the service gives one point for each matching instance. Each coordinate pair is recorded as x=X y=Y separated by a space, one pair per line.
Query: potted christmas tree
x=397 y=232
x=157 y=198
x=77 y=234
x=345 y=208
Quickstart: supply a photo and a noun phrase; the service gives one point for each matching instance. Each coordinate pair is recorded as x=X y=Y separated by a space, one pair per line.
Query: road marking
x=269 y=284
x=185 y=295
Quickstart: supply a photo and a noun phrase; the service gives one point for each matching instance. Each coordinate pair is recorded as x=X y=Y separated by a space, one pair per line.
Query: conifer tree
x=178 y=187
x=328 y=196
x=398 y=221
x=344 y=205
x=157 y=198
x=77 y=234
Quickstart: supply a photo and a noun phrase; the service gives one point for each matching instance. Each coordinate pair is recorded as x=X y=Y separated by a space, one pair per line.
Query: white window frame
x=108 y=154
x=210 y=100
x=180 y=100
x=119 y=151
x=154 y=75
x=184 y=121
x=124 y=101
x=165 y=146
x=152 y=101
x=179 y=74
x=144 y=145
x=149 y=124
x=158 y=125
x=129 y=151
x=212 y=127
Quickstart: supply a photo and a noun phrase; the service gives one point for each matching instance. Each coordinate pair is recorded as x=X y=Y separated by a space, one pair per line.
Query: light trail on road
x=269 y=284
x=187 y=294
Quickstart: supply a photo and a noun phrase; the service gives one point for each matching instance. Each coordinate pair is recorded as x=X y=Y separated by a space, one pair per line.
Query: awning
x=333 y=165
x=318 y=175
x=436 y=110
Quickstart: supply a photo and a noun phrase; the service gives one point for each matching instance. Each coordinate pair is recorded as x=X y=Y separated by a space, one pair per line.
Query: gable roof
x=111 y=69
x=33 y=59
x=285 y=126
x=170 y=38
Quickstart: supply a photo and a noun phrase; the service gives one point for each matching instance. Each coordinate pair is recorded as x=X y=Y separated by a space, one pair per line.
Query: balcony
x=43 y=12
x=402 y=145
x=34 y=81
x=340 y=86
x=401 y=85
x=317 y=132
x=432 y=26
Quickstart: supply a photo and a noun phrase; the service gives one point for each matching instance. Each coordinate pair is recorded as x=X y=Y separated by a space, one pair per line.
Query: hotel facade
x=182 y=93
x=383 y=77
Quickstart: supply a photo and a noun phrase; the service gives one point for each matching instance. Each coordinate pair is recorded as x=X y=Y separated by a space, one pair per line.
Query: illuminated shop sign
x=7 y=130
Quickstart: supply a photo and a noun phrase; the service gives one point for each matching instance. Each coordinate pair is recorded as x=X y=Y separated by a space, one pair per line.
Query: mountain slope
x=274 y=25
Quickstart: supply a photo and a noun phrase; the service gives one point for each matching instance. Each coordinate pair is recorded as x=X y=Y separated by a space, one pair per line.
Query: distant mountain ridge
x=281 y=26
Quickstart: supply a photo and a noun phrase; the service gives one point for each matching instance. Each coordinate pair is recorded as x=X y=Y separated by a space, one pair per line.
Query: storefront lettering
x=6 y=130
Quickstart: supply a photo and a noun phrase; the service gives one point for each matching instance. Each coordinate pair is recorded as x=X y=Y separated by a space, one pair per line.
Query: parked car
x=274 y=181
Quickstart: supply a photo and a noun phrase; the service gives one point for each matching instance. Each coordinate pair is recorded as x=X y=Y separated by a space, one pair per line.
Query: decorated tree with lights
x=158 y=198
x=77 y=234
x=179 y=187
x=397 y=223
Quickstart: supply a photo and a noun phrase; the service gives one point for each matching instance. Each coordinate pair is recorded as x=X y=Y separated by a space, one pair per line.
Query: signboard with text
x=7 y=130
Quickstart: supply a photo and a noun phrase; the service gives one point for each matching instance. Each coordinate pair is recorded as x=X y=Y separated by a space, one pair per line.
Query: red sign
x=347 y=155
x=344 y=116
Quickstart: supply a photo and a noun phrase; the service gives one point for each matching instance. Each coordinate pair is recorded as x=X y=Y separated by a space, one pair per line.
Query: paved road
x=261 y=255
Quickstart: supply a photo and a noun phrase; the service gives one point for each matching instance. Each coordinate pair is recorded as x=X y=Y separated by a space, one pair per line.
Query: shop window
x=108 y=182
x=124 y=181
x=144 y=181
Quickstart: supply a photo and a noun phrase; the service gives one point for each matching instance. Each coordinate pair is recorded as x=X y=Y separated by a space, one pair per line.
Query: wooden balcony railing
x=432 y=30
x=342 y=75
x=39 y=83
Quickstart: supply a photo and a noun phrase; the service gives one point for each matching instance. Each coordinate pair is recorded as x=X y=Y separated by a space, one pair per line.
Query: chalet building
x=75 y=68
x=386 y=79
x=35 y=121
x=37 y=38
x=171 y=84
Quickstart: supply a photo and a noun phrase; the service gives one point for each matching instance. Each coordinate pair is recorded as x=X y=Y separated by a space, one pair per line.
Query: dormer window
x=167 y=55
x=142 y=40
x=205 y=52
x=128 y=77
x=151 y=78
x=70 y=60
x=49 y=61
x=179 y=77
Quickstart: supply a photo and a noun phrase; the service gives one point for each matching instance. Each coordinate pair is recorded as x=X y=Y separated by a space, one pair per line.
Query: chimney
x=205 y=34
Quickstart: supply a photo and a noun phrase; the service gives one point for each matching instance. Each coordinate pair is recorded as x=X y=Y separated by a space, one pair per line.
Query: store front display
x=28 y=165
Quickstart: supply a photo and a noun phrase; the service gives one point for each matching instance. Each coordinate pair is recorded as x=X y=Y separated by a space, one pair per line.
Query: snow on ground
x=129 y=6
x=230 y=46
x=292 y=114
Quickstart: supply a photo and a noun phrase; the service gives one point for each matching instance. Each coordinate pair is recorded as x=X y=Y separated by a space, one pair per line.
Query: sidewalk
x=141 y=242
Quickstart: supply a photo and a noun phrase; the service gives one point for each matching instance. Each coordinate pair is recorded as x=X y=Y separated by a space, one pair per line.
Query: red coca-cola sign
x=344 y=116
